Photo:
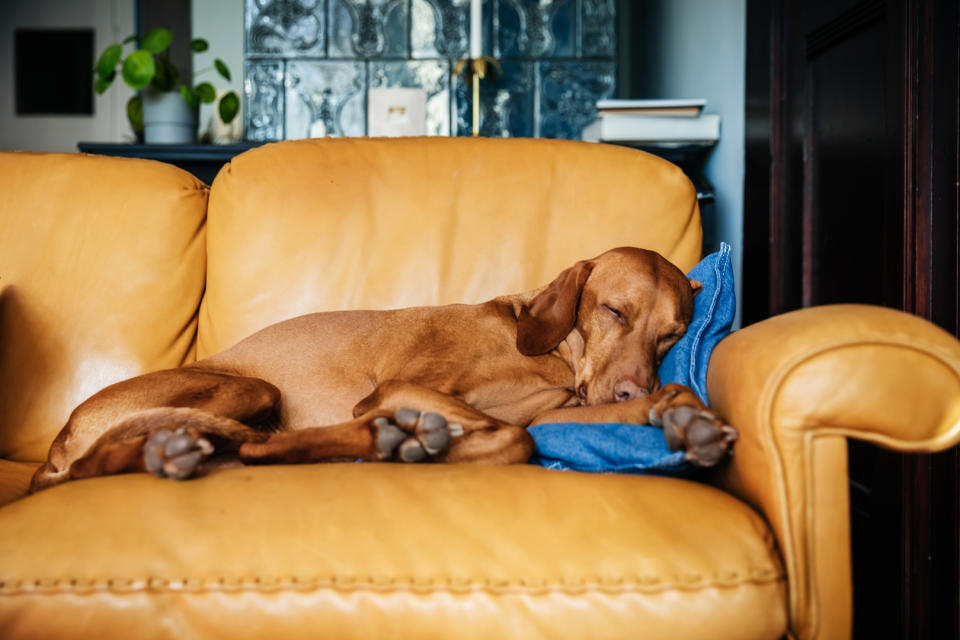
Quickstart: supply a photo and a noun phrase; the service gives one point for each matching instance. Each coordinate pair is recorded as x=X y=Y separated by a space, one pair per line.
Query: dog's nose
x=628 y=389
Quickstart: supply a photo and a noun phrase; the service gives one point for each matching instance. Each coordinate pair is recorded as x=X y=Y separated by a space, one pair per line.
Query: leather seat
x=368 y=550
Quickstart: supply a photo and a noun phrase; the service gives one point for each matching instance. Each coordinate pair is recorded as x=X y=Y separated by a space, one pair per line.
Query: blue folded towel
x=631 y=448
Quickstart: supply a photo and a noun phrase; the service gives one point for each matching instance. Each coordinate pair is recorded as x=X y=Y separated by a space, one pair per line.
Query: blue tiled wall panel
x=598 y=37
x=568 y=94
x=325 y=98
x=431 y=75
x=543 y=29
x=263 y=100
x=287 y=28
x=309 y=64
x=506 y=103
x=368 y=28
x=439 y=28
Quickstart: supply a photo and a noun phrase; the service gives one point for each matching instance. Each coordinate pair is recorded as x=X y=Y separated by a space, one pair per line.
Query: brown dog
x=450 y=384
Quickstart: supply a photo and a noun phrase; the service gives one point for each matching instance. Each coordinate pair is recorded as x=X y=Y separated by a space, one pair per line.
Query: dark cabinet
x=851 y=196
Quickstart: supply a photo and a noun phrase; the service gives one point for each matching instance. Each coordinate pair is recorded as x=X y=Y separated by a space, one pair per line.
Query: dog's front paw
x=175 y=454
x=699 y=432
x=411 y=436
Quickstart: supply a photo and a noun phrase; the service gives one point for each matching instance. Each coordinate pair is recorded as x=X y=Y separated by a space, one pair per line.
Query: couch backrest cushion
x=316 y=225
x=101 y=275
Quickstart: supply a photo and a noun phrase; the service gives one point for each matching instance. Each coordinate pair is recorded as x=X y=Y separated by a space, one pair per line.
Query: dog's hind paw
x=412 y=436
x=701 y=433
x=175 y=454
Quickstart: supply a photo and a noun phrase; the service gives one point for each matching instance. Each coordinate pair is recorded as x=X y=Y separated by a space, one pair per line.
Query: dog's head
x=619 y=313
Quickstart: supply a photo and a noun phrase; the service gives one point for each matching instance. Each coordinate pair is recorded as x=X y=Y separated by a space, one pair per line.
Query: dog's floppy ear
x=696 y=285
x=547 y=319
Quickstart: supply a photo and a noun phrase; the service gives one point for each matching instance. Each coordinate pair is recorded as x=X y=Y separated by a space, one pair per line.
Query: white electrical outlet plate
x=396 y=112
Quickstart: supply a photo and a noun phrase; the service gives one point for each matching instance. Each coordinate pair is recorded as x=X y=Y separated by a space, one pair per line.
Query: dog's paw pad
x=175 y=454
x=411 y=450
x=184 y=465
x=410 y=435
x=153 y=451
x=389 y=436
x=406 y=417
x=431 y=421
x=435 y=434
x=701 y=434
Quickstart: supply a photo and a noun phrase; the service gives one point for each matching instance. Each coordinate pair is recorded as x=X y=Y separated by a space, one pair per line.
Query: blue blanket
x=633 y=448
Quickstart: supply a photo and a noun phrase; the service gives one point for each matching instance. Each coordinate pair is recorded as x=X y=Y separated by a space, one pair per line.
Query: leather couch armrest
x=796 y=386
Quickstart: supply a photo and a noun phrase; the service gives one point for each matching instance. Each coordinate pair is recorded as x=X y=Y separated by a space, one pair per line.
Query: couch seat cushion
x=15 y=479
x=386 y=550
x=329 y=224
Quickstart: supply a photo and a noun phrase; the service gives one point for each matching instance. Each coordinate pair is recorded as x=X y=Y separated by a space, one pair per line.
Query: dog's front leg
x=401 y=422
x=688 y=424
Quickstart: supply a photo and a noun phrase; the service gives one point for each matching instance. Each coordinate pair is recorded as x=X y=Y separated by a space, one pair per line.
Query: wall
x=219 y=22
x=695 y=49
x=112 y=20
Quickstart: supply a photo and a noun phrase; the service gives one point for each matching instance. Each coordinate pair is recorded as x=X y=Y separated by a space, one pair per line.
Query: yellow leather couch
x=113 y=267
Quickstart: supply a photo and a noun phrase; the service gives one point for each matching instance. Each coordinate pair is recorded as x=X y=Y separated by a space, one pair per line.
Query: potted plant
x=166 y=110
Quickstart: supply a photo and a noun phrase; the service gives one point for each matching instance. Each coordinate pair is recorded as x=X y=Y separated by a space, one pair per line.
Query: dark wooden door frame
x=930 y=561
x=778 y=235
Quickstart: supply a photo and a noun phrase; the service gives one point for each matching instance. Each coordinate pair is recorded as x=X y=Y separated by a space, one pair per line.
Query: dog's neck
x=571 y=350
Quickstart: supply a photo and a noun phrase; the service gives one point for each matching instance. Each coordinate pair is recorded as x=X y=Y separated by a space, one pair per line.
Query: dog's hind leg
x=107 y=433
x=165 y=441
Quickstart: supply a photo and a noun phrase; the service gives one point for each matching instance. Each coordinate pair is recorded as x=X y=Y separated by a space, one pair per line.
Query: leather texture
x=330 y=224
x=796 y=386
x=389 y=550
x=15 y=479
x=102 y=265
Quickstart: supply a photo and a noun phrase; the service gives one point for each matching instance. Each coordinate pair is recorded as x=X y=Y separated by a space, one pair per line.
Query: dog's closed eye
x=615 y=313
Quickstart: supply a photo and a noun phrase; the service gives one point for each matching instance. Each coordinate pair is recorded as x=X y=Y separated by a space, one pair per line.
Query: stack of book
x=651 y=122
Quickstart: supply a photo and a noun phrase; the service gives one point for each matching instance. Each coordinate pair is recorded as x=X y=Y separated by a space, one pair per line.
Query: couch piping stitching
x=609 y=585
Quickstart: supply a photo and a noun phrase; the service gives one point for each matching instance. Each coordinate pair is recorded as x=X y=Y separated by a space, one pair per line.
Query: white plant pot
x=168 y=119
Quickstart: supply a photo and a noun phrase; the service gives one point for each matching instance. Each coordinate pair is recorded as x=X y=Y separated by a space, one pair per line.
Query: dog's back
x=328 y=362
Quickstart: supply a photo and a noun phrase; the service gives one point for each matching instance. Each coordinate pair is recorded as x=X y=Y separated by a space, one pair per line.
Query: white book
x=681 y=107
x=637 y=128
x=617 y=103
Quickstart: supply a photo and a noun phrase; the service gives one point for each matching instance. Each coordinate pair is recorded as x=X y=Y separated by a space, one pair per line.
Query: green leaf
x=108 y=60
x=103 y=82
x=206 y=92
x=189 y=96
x=222 y=68
x=135 y=114
x=228 y=107
x=138 y=69
x=133 y=38
x=199 y=45
x=166 y=77
x=156 y=40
